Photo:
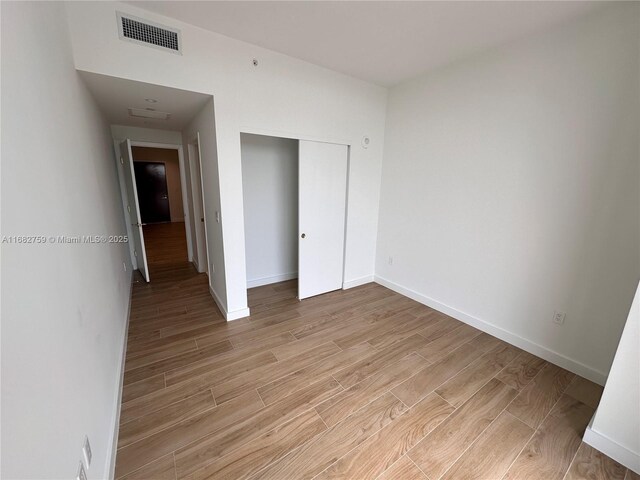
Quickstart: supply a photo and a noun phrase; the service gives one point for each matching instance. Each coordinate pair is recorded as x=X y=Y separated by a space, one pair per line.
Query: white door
x=322 y=197
x=126 y=160
x=201 y=257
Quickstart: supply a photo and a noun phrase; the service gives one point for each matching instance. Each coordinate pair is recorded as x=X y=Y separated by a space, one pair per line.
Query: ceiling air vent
x=141 y=31
x=146 y=113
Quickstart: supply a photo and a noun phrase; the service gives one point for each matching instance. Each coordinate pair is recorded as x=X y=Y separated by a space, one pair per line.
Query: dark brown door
x=153 y=197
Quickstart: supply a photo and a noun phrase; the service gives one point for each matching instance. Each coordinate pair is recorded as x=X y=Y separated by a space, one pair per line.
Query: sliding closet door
x=322 y=193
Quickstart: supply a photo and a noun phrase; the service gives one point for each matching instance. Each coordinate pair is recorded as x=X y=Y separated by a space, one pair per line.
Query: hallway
x=165 y=245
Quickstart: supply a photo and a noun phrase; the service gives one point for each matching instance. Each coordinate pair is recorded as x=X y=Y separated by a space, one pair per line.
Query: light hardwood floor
x=356 y=384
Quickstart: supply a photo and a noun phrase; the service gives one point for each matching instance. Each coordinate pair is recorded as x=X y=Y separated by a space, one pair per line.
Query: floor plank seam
x=261 y=399
x=390 y=466
x=477 y=436
x=396 y=397
x=241 y=445
x=515 y=458
x=359 y=444
x=137 y=469
x=573 y=459
x=169 y=426
x=535 y=430
x=418 y=466
x=175 y=466
x=441 y=397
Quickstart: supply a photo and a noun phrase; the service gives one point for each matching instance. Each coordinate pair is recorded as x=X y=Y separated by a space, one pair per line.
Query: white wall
x=615 y=428
x=64 y=307
x=204 y=126
x=510 y=189
x=283 y=96
x=270 y=194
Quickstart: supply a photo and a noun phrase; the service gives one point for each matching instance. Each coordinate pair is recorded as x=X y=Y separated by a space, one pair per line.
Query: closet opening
x=295 y=202
x=270 y=196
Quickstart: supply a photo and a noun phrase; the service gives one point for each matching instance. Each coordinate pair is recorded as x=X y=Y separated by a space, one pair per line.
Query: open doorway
x=162 y=209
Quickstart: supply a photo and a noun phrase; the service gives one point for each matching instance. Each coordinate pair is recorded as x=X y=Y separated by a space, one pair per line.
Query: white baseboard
x=233 y=315
x=620 y=454
x=221 y=306
x=113 y=444
x=509 y=337
x=237 y=314
x=258 y=282
x=357 y=282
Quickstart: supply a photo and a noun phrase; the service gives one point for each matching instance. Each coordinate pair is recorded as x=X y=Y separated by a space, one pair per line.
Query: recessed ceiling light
x=151 y=100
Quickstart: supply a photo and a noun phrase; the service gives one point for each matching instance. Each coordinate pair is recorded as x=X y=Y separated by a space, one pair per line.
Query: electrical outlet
x=82 y=474
x=86 y=451
x=558 y=317
x=390 y=260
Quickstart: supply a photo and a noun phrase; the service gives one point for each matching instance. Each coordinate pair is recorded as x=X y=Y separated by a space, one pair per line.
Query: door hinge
x=121 y=161
x=135 y=253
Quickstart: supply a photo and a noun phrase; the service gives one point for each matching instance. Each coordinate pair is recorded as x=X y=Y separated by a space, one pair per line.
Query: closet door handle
x=304 y=235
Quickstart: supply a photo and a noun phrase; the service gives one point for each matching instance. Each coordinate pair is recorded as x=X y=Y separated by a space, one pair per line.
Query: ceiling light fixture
x=151 y=100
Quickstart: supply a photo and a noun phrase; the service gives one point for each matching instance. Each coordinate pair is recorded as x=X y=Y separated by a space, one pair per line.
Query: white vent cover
x=144 y=113
x=138 y=30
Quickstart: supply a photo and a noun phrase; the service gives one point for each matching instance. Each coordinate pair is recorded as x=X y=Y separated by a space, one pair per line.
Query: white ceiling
x=382 y=42
x=116 y=95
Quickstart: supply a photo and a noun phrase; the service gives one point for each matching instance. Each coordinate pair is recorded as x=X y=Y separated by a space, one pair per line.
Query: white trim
x=357 y=282
x=620 y=454
x=201 y=258
x=229 y=316
x=509 y=337
x=237 y=314
x=113 y=448
x=185 y=202
x=221 y=306
x=346 y=217
x=293 y=136
x=207 y=269
x=166 y=146
x=258 y=282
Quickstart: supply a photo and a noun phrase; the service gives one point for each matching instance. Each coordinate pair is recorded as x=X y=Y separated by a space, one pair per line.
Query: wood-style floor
x=356 y=384
x=165 y=244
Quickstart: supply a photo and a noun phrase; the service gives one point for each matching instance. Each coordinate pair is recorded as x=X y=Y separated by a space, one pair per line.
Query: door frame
x=183 y=187
x=192 y=145
x=298 y=136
